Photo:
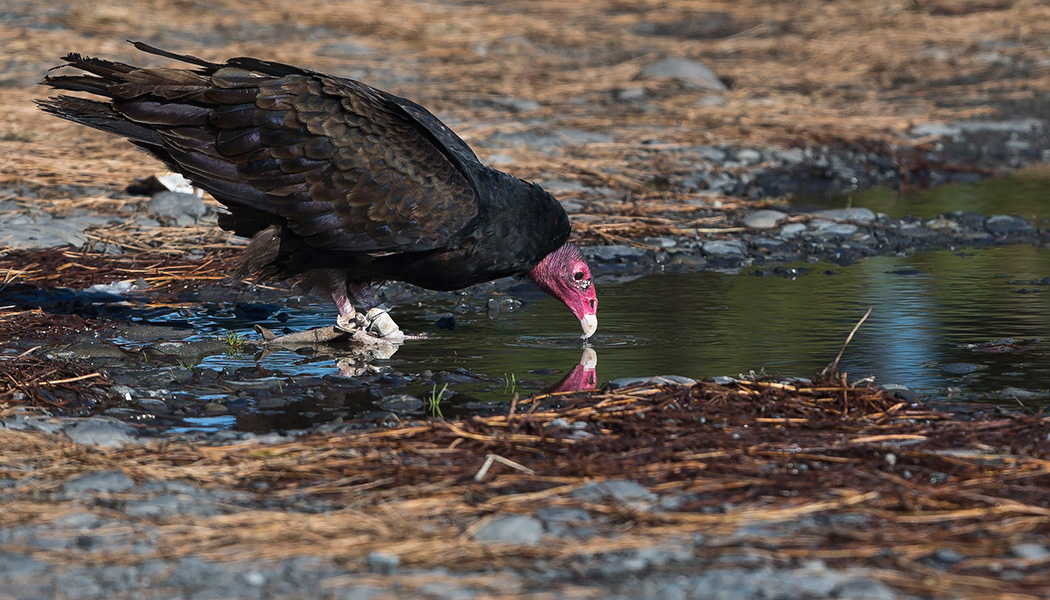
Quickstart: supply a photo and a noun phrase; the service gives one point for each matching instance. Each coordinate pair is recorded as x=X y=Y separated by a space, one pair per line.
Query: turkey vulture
x=334 y=179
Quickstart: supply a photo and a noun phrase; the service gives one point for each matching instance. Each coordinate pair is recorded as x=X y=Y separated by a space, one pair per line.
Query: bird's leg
x=347 y=319
x=376 y=321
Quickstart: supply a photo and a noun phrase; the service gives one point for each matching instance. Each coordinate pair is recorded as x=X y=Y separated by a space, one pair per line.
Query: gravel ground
x=109 y=535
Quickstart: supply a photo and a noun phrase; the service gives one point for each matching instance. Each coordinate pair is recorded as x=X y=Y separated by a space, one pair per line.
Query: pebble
x=105 y=482
x=623 y=382
x=764 y=219
x=511 y=529
x=901 y=391
x=618 y=490
x=1029 y=551
x=685 y=71
x=176 y=208
x=725 y=248
x=792 y=230
x=634 y=93
x=857 y=215
x=612 y=253
x=99 y=432
x=1007 y=224
x=382 y=563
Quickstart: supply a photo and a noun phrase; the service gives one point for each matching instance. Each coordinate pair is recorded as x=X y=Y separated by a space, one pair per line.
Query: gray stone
x=105 y=482
x=748 y=156
x=725 y=248
x=1007 y=224
x=792 y=230
x=685 y=71
x=612 y=253
x=581 y=137
x=901 y=391
x=176 y=208
x=19 y=231
x=382 y=562
x=153 y=405
x=857 y=215
x=764 y=219
x=562 y=514
x=100 y=432
x=14 y=565
x=658 y=380
x=634 y=93
x=829 y=229
x=618 y=490
x=864 y=588
x=1020 y=394
x=345 y=49
x=511 y=529
x=1029 y=551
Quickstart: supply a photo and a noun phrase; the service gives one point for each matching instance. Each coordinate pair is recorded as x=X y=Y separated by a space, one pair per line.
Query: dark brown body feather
x=337 y=174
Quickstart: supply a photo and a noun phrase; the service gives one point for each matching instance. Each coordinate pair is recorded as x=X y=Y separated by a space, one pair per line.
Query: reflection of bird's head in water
x=584 y=376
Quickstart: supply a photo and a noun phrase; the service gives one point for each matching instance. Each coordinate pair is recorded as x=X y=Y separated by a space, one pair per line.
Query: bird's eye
x=578 y=275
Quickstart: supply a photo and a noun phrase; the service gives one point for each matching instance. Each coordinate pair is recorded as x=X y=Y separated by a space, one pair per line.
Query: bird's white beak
x=589 y=324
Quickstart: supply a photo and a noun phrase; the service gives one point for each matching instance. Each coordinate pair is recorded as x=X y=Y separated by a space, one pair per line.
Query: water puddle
x=939 y=325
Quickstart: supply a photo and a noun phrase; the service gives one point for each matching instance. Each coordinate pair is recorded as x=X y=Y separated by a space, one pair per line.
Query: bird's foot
x=375 y=326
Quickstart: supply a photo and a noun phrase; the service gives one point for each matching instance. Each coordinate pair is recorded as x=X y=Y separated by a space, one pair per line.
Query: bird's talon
x=348 y=322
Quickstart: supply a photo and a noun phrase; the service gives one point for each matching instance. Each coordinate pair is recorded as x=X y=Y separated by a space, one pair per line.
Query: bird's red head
x=565 y=275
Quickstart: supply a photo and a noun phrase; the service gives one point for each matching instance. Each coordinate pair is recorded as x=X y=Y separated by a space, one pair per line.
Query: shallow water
x=1025 y=193
x=929 y=311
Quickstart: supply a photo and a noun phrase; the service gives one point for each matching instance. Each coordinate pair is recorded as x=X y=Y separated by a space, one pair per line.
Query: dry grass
x=851 y=73
x=919 y=480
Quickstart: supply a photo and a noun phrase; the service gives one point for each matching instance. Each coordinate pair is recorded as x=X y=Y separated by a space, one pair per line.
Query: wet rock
x=857 y=215
x=725 y=248
x=661 y=242
x=684 y=71
x=1013 y=393
x=613 y=253
x=1003 y=225
x=88 y=349
x=828 y=230
x=400 y=403
x=176 y=208
x=511 y=529
x=764 y=219
x=659 y=380
x=792 y=230
x=901 y=391
x=621 y=491
x=153 y=405
x=104 y=482
x=961 y=368
x=106 y=433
